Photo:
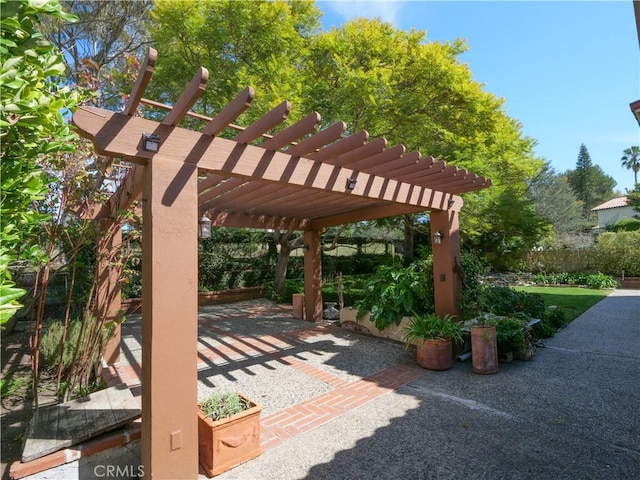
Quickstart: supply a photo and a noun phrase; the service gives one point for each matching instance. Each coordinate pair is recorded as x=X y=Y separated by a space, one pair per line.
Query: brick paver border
x=297 y=419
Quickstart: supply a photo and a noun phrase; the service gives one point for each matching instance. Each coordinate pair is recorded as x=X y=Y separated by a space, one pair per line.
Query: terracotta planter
x=484 y=350
x=435 y=354
x=226 y=443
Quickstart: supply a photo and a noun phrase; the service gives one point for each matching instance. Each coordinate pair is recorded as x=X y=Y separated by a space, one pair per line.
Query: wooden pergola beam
x=264 y=124
x=340 y=147
x=320 y=139
x=298 y=130
x=388 y=155
x=347 y=159
x=189 y=97
x=230 y=112
x=210 y=195
x=211 y=181
x=228 y=219
x=372 y=213
x=421 y=164
x=144 y=77
x=117 y=134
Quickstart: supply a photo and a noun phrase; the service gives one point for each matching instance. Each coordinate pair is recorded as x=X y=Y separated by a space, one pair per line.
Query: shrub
x=618 y=251
x=505 y=301
x=473 y=268
x=50 y=343
x=395 y=291
x=555 y=318
x=223 y=405
x=591 y=280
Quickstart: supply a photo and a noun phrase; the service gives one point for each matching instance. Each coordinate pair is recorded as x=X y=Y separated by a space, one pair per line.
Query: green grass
x=15 y=384
x=572 y=300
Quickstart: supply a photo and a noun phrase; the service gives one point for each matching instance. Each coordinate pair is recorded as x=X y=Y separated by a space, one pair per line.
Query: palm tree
x=631 y=160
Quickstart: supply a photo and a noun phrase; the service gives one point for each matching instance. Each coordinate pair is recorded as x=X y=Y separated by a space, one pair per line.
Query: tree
x=555 y=201
x=102 y=34
x=633 y=200
x=631 y=161
x=581 y=181
x=589 y=182
x=258 y=44
x=32 y=127
x=367 y=73
x=395 y=84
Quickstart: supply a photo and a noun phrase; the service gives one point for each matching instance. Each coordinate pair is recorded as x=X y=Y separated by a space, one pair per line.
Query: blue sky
x=567 y=70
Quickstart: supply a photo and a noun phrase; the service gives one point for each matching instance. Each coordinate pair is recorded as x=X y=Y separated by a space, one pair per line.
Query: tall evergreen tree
x=581 y=180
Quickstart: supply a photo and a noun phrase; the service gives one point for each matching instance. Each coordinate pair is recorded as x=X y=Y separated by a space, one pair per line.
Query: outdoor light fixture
x=305 y=247
x=437 y=237
x=351 y=183
x=451 y=202
x=151 y=142
x=204 y=227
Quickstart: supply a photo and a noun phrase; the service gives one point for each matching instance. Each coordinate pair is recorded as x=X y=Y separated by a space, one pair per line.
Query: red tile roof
x=613 y=203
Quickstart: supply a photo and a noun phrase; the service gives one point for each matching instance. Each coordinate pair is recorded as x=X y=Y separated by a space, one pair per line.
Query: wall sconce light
x=437 y=237
x=451 y=202
x=204 y=227
x=305 y=248
x=351 y=183
x=151 y=142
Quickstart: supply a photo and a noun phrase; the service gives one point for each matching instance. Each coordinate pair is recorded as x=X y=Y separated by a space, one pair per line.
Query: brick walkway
x=221 y=345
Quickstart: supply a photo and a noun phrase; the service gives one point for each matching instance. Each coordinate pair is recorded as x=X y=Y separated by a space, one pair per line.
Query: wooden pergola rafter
x=296 y=179
x=299 y=174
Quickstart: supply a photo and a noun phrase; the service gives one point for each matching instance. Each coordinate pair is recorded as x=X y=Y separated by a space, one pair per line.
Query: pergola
x=297 y=179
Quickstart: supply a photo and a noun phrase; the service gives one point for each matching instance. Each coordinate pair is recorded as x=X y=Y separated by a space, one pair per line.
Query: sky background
x=567 y=70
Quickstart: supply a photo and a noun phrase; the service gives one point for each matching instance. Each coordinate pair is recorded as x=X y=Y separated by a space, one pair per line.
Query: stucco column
x=446 y=258
x=109 y=271
x=169 y=441
x=312 y=276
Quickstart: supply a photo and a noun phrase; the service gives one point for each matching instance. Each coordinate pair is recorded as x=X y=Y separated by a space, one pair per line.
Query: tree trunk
x=281 y=267
x=408 y=238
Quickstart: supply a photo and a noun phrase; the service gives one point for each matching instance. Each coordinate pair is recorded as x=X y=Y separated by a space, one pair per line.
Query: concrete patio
x=342 y=405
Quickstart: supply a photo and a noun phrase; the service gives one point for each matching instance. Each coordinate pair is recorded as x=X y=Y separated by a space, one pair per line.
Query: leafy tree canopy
x=391 y=82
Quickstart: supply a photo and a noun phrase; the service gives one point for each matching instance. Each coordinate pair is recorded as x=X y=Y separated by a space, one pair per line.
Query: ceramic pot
x=435 y=354
x=484 y=350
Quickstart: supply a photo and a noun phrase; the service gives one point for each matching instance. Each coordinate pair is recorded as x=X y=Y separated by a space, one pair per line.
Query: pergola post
x=312 y=276
x=109 y=272
x=446 y=258
x=169 y=441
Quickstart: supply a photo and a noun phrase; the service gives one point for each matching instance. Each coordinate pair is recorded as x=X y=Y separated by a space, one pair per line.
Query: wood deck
x=55 y=427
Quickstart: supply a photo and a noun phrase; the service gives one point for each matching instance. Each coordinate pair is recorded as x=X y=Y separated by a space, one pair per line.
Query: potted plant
x=228 y=431
x=433 y=336
x=484 y=345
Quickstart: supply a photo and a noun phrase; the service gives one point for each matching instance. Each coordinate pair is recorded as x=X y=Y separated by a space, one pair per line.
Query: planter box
x=349 y=319
x=134 y=305
x=226 y=443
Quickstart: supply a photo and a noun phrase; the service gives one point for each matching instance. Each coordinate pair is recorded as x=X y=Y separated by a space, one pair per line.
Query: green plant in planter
x=512 y=333
x=431 y=327
x=394 y=292
x=222 y=405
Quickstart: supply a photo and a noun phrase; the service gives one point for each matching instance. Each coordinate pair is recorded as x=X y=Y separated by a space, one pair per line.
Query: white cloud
x=350 y=9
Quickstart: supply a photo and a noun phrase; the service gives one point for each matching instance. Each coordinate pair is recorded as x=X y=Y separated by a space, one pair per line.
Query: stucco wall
x=612 y=215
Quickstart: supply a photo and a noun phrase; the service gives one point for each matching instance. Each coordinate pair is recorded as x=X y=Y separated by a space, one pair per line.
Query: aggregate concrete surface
x=573 y=412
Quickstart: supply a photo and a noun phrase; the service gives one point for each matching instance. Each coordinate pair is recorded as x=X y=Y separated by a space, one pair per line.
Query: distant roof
x=613 y=203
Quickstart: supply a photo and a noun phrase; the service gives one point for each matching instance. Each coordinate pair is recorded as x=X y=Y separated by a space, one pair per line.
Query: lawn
x=573 y=300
